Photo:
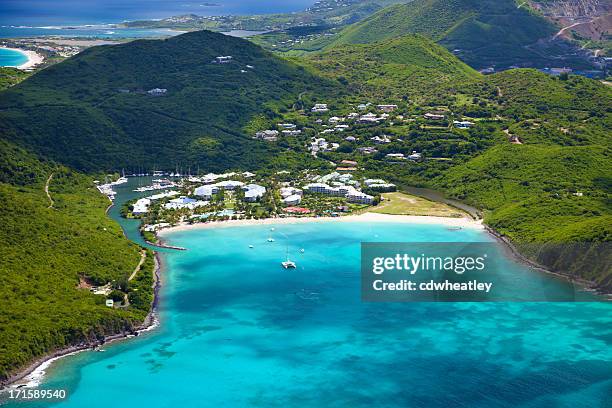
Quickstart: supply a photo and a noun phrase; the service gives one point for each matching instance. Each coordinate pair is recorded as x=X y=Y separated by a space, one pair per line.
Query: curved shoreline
x=463 y=222
x=36 y=370
x=33 y=374
x=33 y=57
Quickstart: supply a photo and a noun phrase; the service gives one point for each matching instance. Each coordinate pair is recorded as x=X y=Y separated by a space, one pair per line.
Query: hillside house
x=320 y=108
x=387 y=108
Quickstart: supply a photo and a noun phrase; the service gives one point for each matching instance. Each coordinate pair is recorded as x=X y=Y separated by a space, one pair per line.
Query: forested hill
x=56 y=242
x=481 y=32
x=411 y=66
x=92 y=112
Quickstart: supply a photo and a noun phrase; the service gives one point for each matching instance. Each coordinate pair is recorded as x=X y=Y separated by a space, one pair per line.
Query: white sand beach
x=463 y=222
x=33 y=58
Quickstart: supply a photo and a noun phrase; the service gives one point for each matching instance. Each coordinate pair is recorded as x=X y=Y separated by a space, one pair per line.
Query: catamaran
x=288 y=264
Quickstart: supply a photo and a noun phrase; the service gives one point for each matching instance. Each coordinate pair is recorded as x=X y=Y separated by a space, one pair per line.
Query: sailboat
x=288 y=264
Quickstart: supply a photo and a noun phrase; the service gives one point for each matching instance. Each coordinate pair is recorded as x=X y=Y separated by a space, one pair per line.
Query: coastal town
x=244 y=195
x=343 y=136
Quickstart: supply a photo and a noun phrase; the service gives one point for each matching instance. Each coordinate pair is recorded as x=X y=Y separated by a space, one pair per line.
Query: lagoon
x=239 y=330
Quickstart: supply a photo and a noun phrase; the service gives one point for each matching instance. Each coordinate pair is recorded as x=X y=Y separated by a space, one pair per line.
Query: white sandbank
x=463 y=222
x=33 y=58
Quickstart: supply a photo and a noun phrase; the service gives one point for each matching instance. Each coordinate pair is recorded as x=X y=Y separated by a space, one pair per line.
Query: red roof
x=297 y=210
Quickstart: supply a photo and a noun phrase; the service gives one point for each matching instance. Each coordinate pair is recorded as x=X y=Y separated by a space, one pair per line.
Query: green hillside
x=409 y=66
x=484 y=32
x=92 y=111
x=552 y=188
x=47 y=247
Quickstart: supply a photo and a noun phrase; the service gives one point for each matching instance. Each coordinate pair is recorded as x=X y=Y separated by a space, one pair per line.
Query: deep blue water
x=10 y=58
x=238 y=330
x=65 y=12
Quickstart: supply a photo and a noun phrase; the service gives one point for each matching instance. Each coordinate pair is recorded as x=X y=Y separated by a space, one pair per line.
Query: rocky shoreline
x=513 y=250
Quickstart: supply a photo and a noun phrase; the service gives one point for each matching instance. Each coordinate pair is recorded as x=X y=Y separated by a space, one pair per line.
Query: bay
x=239 y=330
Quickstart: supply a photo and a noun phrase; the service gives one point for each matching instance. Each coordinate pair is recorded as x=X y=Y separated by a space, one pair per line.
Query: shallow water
x=238 y=330
x=10 y=58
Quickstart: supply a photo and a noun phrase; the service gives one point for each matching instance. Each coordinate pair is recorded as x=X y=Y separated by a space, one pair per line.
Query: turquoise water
x=10 y=58
x=238 y=330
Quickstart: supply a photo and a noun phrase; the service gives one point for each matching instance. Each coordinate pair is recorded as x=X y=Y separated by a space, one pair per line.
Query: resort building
x=184 y=202
x=321 y=145
x=291 y=200
x=229 y=184
x=320 y=108
x=434 y=116
x=206 y=192
x=387 y=108
x=358 y=197
x=384 y=139
x=253 y=192
x=367 y=150
x=287 y=126
x=157 y=92
x=295 y=132
x=395 y=156
x=370 y=118
x=351 y=193
x=415 y=156
x=289 y=191
x=464 y=124
x=267 y=135
x=141 y=206
x=223 y=59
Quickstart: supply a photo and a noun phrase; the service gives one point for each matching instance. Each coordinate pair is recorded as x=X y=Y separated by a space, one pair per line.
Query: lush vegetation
x=51 y=254
x=92 y=112
x=11 y=76
x=483 y=32
x=406 y=67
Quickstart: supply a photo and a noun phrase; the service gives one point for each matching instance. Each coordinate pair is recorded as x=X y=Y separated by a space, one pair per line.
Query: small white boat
x=302 y=250
x=250 y=246
x=288 y=264
x=270 y=239
x=272 y=229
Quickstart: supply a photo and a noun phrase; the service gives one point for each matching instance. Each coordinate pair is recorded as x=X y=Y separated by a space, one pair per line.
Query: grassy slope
x=488 y=32
x=45 y=250
x=74 y=113
x=408 y=66
x=530 y=189
x=527 y=190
